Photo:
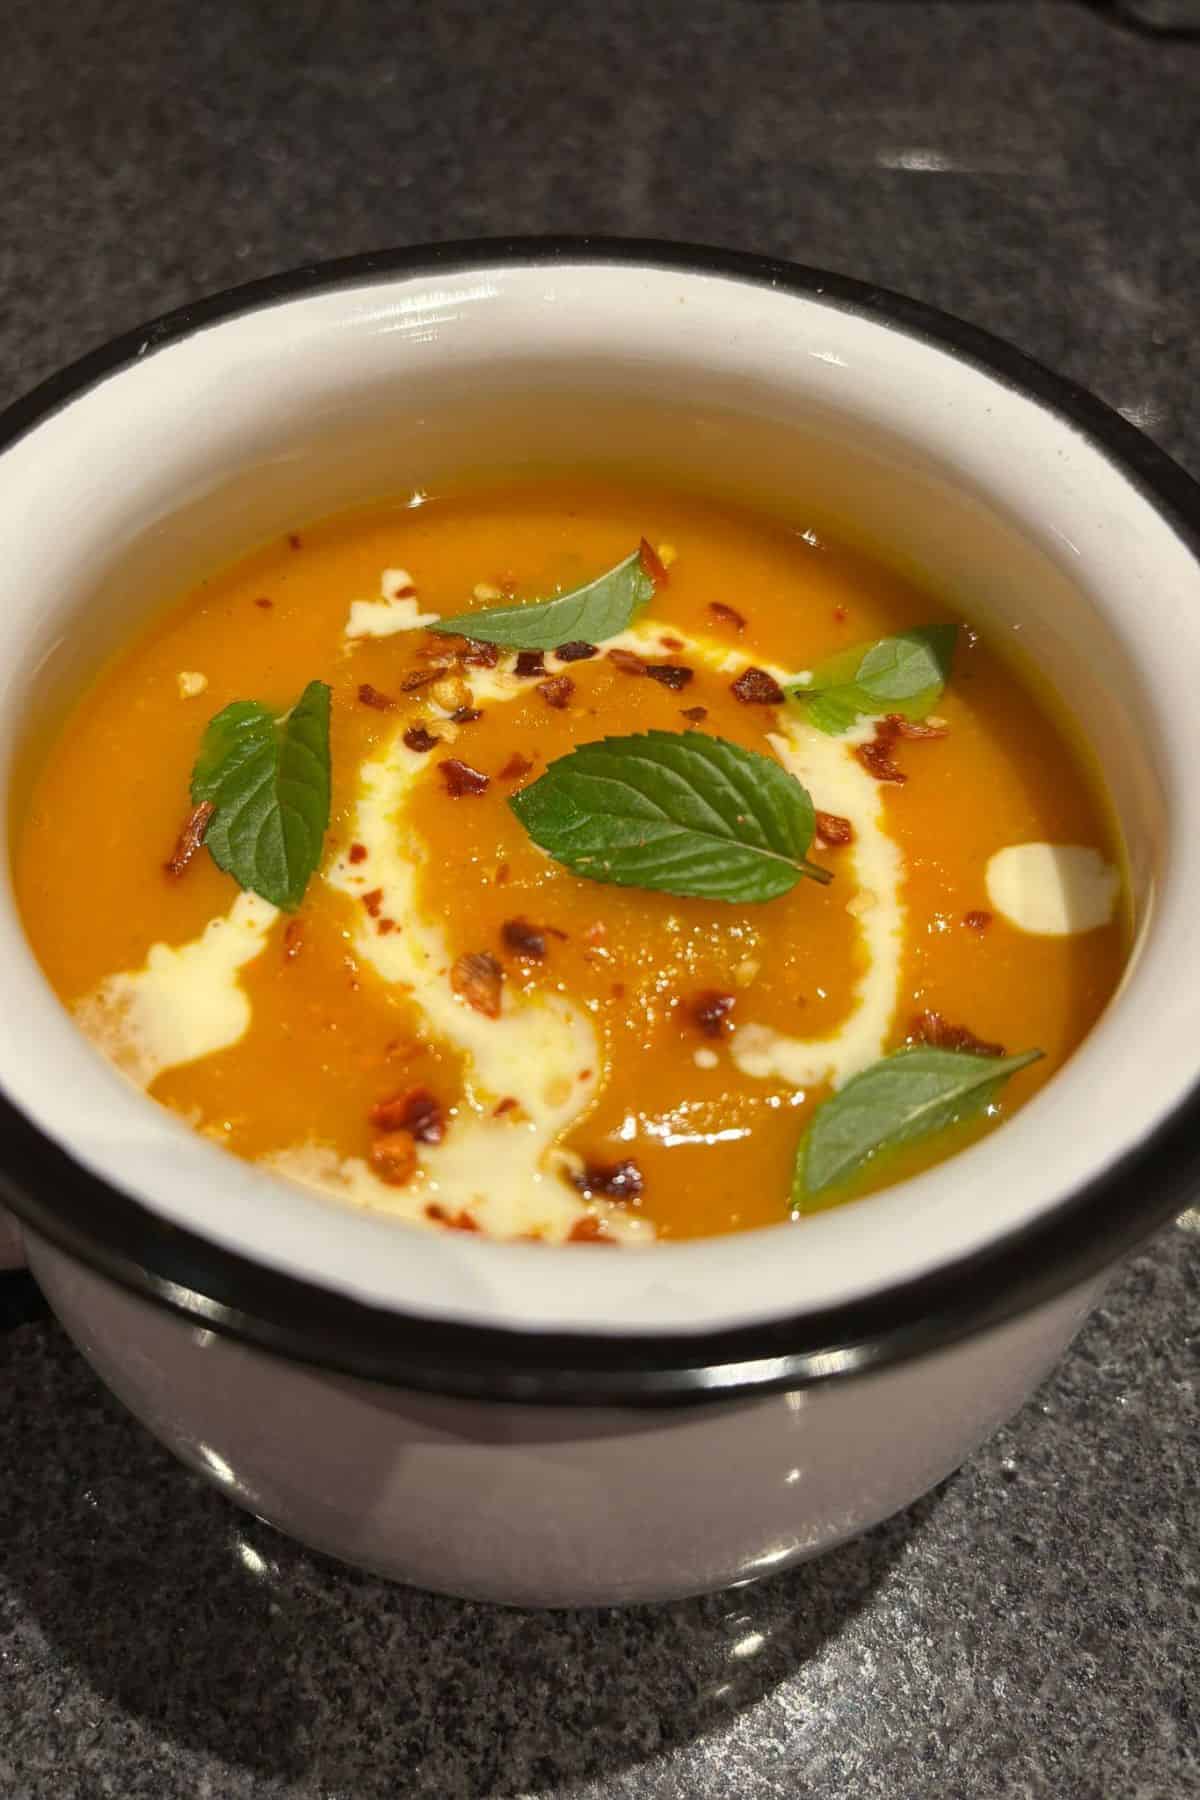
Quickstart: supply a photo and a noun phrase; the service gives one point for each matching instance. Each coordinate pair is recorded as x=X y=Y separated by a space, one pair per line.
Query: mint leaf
x=585 y=615
x=680 y=812
x=906 y=674
x=268 y=778
x=905 y=1096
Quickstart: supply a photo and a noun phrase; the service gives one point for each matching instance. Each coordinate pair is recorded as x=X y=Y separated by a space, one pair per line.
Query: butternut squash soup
x=576 y=863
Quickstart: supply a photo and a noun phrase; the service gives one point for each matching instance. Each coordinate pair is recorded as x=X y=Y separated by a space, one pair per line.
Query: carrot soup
x=576 y=863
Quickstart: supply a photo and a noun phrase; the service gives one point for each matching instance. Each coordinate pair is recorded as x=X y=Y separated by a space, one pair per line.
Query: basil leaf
x=836 y=710
x=268 y=778
x=680 y=812
x=908 y=665
x=585 y=615
x=906 y=673
x=903 y=1097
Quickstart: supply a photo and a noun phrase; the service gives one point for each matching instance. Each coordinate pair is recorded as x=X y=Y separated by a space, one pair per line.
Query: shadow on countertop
x=225 y=1637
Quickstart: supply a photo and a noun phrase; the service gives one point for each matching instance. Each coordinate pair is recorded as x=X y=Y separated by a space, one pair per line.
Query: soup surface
x=454 y=1025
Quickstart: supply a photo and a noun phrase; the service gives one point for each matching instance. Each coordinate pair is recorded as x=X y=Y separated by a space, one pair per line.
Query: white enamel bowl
x=536 y=1424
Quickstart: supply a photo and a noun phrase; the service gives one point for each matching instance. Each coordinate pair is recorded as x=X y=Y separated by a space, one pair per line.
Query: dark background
x=1033 y=1627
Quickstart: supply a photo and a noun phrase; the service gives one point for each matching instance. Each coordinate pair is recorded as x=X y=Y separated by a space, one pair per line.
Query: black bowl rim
x=213 y=1287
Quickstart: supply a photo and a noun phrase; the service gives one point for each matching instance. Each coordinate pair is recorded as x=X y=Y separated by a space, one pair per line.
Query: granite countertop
x=1030 y=1629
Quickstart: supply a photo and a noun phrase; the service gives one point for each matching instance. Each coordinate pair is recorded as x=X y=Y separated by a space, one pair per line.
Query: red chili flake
x=556 y=691
x=459 y=1221
x=263 y=601
x=627 y=662
x=671 y=675
x=190 y=838
x=294 y=539
x=619 y=1181
x=386 y=925
x=414 y=1110
x=393 y=1156
x=460 y=778
x=977 y=921
x=373 y=901
x=293 y=939
x=502 y=874
x=503 y=1106
x=694 y=713
x=710 y=1010
x=417 y=738
x=896 y=725
x=479 y=655
x=477 y=978
x=876 y=759
x=671 y=643
x=840 y=613
x=357 y=853
x=524 y=939
x=754 y=687
x=516 y=766
x=833 y=831
x=576 y=651
x=419 y=678
x=727 y=615
x=465 y=715
x=530 y=662
x=652 y=563
x=932 y=1029
x=589 y=1231
x=371 y=696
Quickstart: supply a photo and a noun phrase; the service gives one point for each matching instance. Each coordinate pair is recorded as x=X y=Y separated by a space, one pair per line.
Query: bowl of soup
x=598 y=940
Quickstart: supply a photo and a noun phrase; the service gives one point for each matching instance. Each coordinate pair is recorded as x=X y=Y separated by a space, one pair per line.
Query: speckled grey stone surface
x=1032 y=1629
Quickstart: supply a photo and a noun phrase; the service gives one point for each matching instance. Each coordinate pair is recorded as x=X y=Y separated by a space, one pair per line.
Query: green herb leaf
x=906 y=674
x=903 y=1097
x=585 y=615
x=269 y=781
x=680 y=812
x=835 y=710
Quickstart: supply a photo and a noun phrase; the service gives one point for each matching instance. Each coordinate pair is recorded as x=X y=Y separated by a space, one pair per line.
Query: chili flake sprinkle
x=833 y=831
x=415 y=1110
x=727 y=615
x=616 y=1181
x=190 y=837
x=556 y=691
x=516 y=766
x=460 y=778
x=754 y=687
x=932 y=1029
x=710 y=1011
x=671 y=675
x=478 y=978
x=419 y=739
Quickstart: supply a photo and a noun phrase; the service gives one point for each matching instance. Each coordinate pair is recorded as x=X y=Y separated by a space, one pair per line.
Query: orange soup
x=705 y=875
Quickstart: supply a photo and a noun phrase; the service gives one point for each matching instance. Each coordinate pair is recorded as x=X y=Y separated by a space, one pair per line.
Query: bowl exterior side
x=551 y=1506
